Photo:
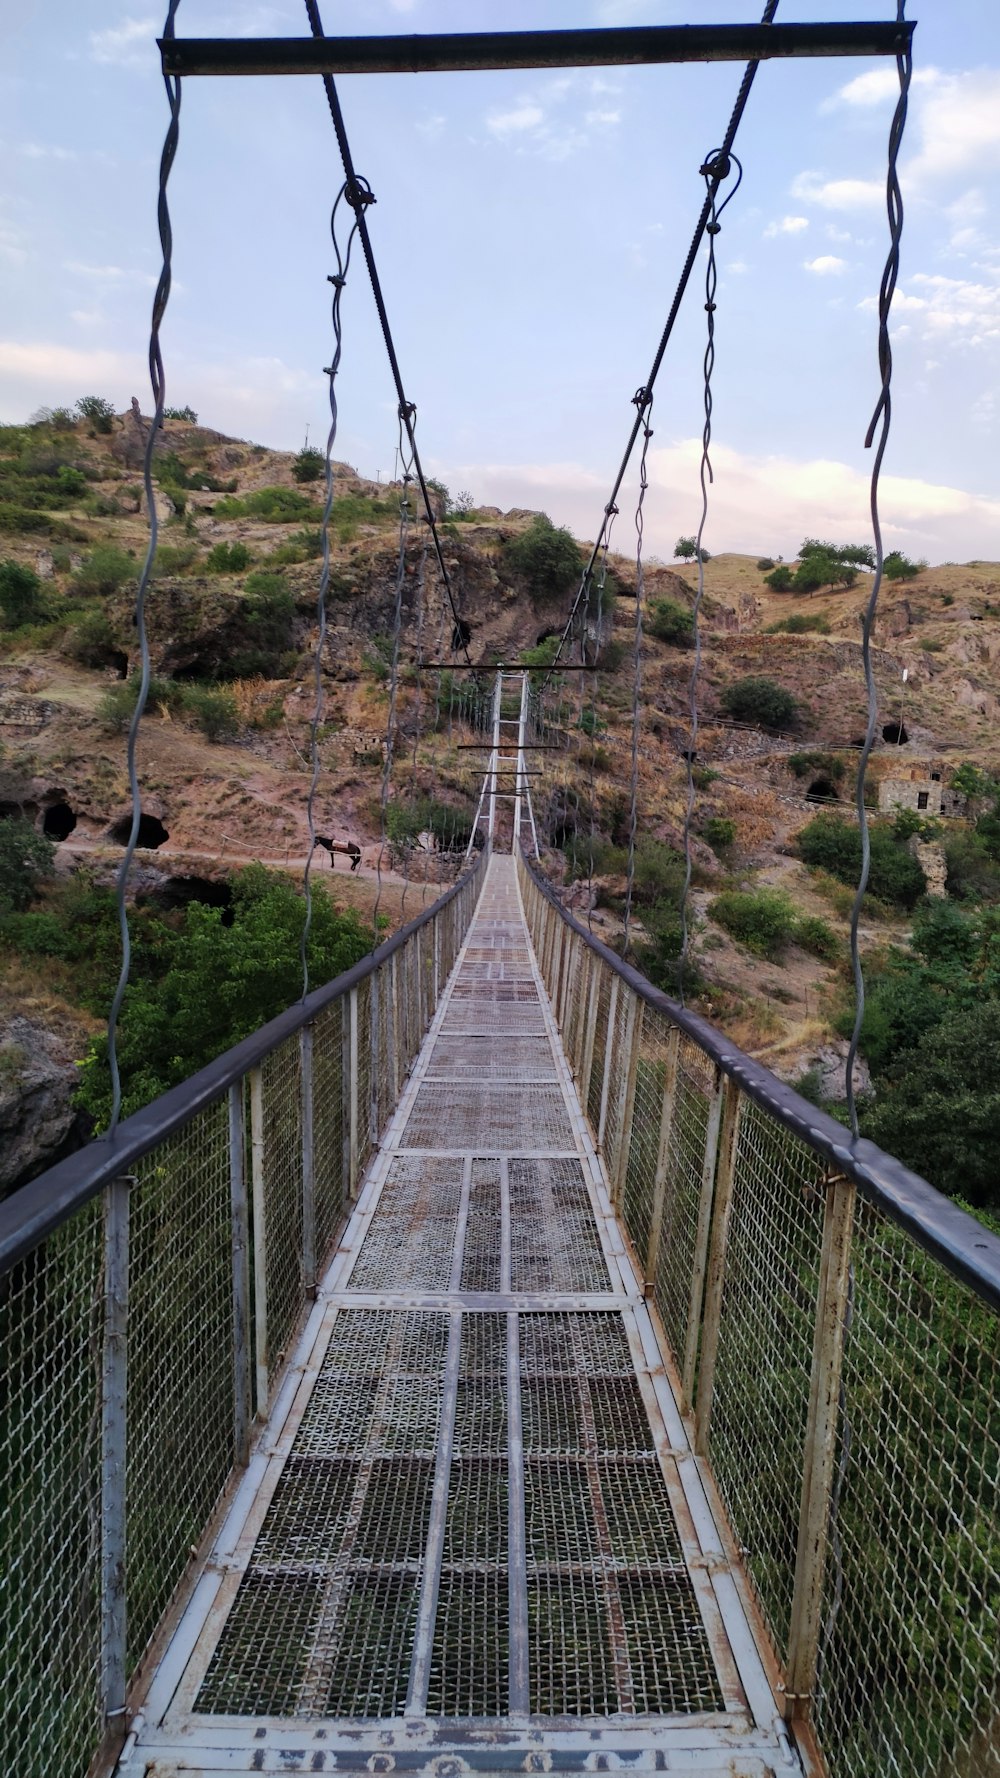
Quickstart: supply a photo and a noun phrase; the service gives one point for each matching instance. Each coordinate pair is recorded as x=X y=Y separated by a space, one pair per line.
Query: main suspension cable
x=643 y=399
x=706 y=478
x=158 y=385
x=406 y=464
x=359 y=196
x=338 y=279
x=749 y=75
x=882 y=418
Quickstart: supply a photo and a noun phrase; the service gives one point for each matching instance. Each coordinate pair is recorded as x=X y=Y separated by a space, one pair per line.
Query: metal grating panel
x=483 y=1230
x=520 y=1058
x=554 y=1239
x=490 y=1118
x=412 y=1234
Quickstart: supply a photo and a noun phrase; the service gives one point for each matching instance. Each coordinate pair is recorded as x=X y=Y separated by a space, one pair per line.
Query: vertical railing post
x=114 y=1452
x=259 y=1237
x=568 y=950
x=437 y=960
x=820 y=1452
x=608 y=1049
x=626 y=1106
x=240 y=1225
x=590 y=1031
x=699 y=1263
x=667 y=1108
x=732 y=1111
x=345 y=1098
x=308 y=1162
x=557 y=953
x=581 y=988
x=352 y=1128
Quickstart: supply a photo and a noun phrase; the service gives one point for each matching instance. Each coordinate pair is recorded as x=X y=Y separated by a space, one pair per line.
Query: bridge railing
x=151 y=1287
x=833 y=1322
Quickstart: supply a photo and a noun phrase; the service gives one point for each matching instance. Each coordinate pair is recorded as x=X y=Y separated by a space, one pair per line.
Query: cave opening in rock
x=180 y=892
x=152 y=832
x=58 y=821
x=895 y=734
x=18 y=811
x=821 y=790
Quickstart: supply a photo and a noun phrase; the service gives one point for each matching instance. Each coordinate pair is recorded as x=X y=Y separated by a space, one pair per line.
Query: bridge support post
x=240 y=1227
x=352 y=1096
x=833 y=1303
x=374 y=1070
x=590 y=1031
x=662 y=1162
x=308 y=1163
x=114 y=1387
x=732 y=1109
x=392 y=1034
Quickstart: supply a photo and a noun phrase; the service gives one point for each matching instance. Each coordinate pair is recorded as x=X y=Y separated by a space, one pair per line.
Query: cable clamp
x=359 y=194
x=407 y=411
x=718 y=167
x=710 y=308
x=611 y=510
x=642 y=398
x=713 y=228
x=337 y=279
x=328 y=370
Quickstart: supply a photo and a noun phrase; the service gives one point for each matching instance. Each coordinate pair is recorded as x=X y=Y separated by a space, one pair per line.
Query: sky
x=529 y=231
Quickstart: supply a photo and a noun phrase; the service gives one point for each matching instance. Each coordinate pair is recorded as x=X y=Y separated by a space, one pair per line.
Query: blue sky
x=529 y=230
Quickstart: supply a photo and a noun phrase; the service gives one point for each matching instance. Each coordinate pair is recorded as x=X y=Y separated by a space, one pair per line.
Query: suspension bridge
x=486 y=1367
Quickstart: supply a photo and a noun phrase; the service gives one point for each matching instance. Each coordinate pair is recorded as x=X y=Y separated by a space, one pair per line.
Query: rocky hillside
x=223 y=753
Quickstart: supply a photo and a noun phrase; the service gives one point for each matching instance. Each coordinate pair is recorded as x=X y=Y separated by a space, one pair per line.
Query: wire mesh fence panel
x=364 y=1084
x=614 y=1132
x=602 y=1002
x=685 y=1159
x=51 y=1324
x=764 y=1365
x=644 y=1135
x=909 y=1681
x=180 y=1374
x=328 y=1125
x=282 y=1188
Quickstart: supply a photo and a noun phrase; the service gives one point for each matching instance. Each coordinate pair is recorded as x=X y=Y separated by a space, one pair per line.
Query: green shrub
x=703 y=776
x=807 y=765
x=228 y=558
x=671 y=622
x=105 y=570
x=545 y=556
x=834 y=845
x=720 y=832
x=277 y=506
x=176 y=558
x=896 y=566
x=309 y=465
x=116 y=707
x=181 y=413
x=816 y=936
x=973 y=876
x=213 y=709
x=99 y=412
x=801 y=623
x=765 y=565
x=93 y=642
x=25 y=859
x=759 y=701
x=780 y=579
x=21 y=600
x=764 y=920
x=591 y=722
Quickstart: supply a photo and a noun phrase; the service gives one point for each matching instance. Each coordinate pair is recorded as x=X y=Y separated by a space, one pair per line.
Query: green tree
x=21 y=599
x=940 y=1111
x=686 y=548
x=545 y=556
x=896 y=566
x=25 y=860
x=208 y=985
x=98 y=411
x=309 y=465
x=832 y=844
x=759 y=701
x=780 y=579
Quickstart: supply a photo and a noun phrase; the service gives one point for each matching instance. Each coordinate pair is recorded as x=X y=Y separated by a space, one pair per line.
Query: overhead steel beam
x=466 y=51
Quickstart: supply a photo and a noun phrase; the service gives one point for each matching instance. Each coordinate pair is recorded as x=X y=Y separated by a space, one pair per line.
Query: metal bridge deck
x=473 y=1536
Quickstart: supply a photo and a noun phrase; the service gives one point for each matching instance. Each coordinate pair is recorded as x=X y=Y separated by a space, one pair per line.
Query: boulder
x=37 y=1082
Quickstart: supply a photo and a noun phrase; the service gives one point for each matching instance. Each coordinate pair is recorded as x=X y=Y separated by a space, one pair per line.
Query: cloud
x=132 y=44
x=756 y=504
x=955 y=119
x=945 y=311
x=826 y=266
x=432 y=127
x=875 y=88
x=86 y=317
x=12 y=247
x=786 y=225
x=51 y=367
x=838 y=194
x=548 y=122
x=737 y=267
x=38 y=151
x=108 y=274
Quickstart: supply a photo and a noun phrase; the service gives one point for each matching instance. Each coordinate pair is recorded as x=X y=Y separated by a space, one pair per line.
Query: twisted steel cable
x=714 y=174
x=158 y=384
x=360 y=195
x=643 y=399
x=880 y=423
x=406 y=463
x=601 y=595
x=749 y=76
x=338 y=279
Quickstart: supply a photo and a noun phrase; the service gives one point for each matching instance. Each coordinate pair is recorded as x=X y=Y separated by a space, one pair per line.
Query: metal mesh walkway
x=474 y=1531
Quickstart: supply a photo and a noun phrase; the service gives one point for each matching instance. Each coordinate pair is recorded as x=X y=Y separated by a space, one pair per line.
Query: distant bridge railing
x=150 y=1290
x=834 y=1326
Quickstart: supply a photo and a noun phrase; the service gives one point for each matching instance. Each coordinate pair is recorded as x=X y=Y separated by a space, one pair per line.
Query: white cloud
x=108 y=274
x=525 y=116
x=874 y=88
x=432 y=127
x=955 y=119
x=737 y=267
x=51 y=367
x=833 y=233
x=756 y=503
x=132 y=44
x=602 y=117
x=826 y=266
x=786 y=225
x=38 y=151
x=86 y=317
x=949 y=311
x=12 y=247
x=838 y=194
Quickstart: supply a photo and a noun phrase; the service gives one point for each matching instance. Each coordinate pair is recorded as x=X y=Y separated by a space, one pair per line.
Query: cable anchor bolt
x=718 y=166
